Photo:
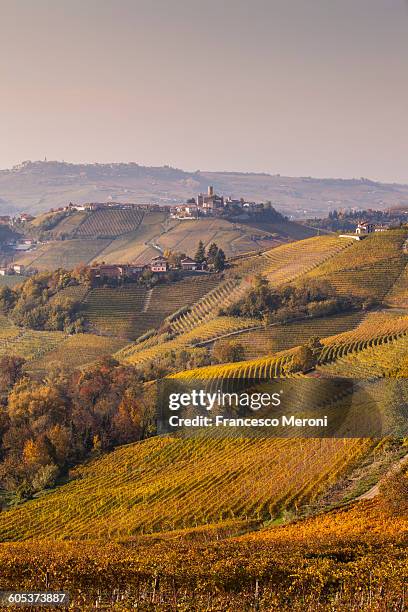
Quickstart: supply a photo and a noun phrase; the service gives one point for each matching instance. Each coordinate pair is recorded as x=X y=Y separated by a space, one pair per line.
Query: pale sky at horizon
x=296 y=87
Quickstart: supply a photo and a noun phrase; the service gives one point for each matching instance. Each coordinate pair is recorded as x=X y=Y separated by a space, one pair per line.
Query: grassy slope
x=63 y=254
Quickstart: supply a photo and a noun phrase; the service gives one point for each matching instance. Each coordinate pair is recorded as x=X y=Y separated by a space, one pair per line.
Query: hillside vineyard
x=113 y=303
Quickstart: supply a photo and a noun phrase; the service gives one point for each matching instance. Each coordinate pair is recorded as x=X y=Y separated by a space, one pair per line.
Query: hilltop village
x=227 y=226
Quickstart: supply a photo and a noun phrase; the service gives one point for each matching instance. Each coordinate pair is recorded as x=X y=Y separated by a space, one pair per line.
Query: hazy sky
x=299 y=87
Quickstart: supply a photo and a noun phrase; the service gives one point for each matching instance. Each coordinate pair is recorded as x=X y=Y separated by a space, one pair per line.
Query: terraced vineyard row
x=281 y=265
x=374 y=330
x=368 y=268
x=208 y=307
x=376 y=359
x=289 y=262
x=397 y=297
x=129 y=311
x=273 y=339
x=75 y=292
x=165 y=484
x=265 y=367
x=167 y=299
x=109 y=223
x=153 y=349
x=234 y=287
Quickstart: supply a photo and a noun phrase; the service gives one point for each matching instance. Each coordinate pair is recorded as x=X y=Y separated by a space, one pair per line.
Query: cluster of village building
x=204 y=204
x=118 y=272
x=93 y=206
x=364 y=228
x=211 y=204
x=131 y=272
x=21 y=218
x=16 y=269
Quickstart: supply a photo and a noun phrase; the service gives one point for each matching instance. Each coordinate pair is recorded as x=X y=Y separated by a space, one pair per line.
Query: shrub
x=394 y=492
x=45 y=477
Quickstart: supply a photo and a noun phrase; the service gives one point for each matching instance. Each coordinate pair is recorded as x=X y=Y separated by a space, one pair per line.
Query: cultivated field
x=375 y=330
x=165 y=484
x=368 y=268
x=218 y=524
x=129 y=311
x=63 y=254
x=134 y=247
x=74 y=352
x=233 y=238
x=28 y=343
x=358 y=554
x=109 y=223
x=287 y=335
x=157 y=347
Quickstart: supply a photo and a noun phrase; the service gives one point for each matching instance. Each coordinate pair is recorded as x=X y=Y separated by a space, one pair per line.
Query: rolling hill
x=135 y=236
x=227 y=523
x=38 y=186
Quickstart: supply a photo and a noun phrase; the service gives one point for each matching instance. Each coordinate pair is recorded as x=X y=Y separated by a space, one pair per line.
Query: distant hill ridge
x=40 y=185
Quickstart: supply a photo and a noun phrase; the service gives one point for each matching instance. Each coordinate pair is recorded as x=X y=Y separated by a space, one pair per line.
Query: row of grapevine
x=75 y=351
x=369 y=268
x=276 y=338
x=152 y=349
x=109 y=222
x=31 y=344
x=375 y=330
x=167 y=483
x=115 y=311
x=374 y=359
x=369 y=333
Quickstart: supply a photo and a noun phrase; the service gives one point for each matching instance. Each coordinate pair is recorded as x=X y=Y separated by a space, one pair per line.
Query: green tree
x=212 y=253
x=219 y=261
x=200 y=253
x=8 y=299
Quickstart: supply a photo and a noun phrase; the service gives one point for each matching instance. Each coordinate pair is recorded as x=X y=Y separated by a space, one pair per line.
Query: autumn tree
x=302 y=360
x=394 y=492
x=11 y=370
x=228 y=351
x=38 y=452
